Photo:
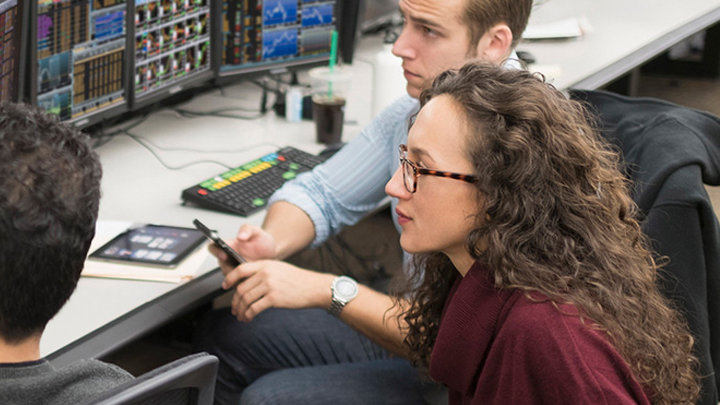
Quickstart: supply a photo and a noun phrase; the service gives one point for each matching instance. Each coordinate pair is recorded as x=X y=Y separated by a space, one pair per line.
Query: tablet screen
x=159 y=245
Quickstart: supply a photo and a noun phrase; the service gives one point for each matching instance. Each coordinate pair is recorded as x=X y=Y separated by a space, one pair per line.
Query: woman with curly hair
x=536 y=284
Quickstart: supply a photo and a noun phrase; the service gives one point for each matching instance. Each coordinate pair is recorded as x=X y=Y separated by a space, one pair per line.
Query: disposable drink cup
x=328 y=114
x=329 y=95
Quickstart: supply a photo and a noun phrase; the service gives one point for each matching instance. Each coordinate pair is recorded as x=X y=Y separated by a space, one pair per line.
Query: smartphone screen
x=233 y=256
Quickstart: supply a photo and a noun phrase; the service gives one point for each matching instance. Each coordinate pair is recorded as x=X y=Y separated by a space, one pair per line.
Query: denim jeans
x=304 y=357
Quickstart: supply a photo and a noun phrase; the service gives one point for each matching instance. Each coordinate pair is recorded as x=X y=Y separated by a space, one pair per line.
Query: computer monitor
x=172 y=48
x=13 y=35
x=349 y=27
x=77 y=58
x=257 y=36
x=378 y=13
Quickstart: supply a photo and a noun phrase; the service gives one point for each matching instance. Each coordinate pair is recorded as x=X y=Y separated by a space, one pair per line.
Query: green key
x=258 y=202
x=288 y=175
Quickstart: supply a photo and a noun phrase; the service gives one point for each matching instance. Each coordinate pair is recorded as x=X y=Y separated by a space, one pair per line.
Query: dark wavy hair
x=49 y=199
x=557 y=219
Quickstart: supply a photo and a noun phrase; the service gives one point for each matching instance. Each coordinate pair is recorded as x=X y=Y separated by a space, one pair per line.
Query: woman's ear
x=496 y=44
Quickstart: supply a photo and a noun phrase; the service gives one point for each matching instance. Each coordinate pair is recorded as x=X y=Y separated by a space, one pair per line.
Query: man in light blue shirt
x=292 y=351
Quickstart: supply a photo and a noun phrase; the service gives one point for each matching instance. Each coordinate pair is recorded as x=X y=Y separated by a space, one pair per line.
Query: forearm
x=267 y=284
x=374 y=315
x=290 y=227
x=371 y=313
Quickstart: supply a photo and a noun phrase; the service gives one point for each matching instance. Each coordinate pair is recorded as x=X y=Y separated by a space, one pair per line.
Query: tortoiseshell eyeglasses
x=412 y=171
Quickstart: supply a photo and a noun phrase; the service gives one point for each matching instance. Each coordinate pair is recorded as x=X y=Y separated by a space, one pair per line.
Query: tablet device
x=156 y=245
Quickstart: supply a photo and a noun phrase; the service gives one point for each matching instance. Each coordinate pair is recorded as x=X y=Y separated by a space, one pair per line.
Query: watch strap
x=336 y=307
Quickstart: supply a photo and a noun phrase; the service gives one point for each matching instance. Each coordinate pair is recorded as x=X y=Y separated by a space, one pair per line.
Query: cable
x=218 y=113
x=263 y=101
x=140 y=141
x=166 y=149
x=147 y=143
x=105 y=138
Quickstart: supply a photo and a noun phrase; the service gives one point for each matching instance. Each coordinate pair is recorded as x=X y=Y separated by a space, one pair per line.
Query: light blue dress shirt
x=350 y=184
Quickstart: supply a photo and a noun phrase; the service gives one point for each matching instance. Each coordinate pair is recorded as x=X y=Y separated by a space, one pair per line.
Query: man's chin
x=413 y=91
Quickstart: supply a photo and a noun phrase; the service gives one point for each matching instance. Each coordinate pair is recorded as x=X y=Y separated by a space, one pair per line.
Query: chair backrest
x=669 y=151
x=187 y=381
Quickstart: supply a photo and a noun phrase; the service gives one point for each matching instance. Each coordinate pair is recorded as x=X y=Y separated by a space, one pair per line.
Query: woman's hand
x=273 y=284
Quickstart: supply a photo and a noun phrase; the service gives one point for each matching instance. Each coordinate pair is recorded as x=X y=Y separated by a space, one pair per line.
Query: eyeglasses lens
x=408 y=176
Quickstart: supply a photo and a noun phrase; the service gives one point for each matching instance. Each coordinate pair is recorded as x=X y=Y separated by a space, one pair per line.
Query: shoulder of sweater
x=553 y=344
x=95 y=368
x=533 y=315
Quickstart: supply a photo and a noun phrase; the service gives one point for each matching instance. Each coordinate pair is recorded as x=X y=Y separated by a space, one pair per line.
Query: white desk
x=103 y=315
x=627 y=33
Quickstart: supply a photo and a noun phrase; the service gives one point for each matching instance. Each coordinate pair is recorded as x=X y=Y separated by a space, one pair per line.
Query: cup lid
x=323 y=73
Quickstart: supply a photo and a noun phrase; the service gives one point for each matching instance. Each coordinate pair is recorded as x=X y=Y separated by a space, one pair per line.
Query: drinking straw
x=333 y=57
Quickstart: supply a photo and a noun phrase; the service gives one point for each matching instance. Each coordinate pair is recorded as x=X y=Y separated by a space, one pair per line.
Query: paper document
x=563 y=29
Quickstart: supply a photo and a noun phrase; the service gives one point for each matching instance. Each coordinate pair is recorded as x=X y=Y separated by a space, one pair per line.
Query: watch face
x=346 y=288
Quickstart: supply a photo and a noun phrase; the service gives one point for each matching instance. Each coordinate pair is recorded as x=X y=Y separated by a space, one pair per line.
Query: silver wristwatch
x=344 y=289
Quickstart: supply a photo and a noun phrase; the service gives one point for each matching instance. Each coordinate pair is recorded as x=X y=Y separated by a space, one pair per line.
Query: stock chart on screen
x=172 y=44
x=260 y=34
x=80 y=56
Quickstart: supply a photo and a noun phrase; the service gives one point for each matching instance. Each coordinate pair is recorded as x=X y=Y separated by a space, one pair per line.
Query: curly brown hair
x=557 y=219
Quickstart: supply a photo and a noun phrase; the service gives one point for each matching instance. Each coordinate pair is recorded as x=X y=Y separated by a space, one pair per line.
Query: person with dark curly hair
x=534 y=282
x=49 y=199
x=290 y=328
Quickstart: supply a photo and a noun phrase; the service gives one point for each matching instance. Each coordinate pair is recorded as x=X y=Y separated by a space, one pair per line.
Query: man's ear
x=495 y=45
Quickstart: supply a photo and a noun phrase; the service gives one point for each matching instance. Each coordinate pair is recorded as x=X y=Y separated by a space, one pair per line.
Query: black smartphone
x=234 y=257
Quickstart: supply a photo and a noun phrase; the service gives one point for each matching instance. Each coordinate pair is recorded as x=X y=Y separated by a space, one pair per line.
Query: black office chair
x=669 y=152
x=186 y=381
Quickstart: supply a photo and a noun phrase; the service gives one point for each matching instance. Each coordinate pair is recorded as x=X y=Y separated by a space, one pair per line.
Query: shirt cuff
x=298 y=196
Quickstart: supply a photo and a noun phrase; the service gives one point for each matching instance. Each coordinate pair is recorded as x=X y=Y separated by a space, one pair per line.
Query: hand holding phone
x=233 y=257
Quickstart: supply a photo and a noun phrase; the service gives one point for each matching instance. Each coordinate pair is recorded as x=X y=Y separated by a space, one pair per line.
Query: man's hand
x=273 y=284
x=252 y=243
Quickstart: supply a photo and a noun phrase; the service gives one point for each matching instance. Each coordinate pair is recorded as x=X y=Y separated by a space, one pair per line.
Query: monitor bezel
x=23 y=7
x=85 y=120
x=22 y=71
x=197 y=80
x=256 y=71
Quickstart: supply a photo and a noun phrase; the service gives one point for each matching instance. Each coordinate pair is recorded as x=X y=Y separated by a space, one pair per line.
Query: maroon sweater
x=499 y=347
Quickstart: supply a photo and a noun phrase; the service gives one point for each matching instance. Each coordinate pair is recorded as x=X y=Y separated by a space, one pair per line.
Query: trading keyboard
x=246 y=189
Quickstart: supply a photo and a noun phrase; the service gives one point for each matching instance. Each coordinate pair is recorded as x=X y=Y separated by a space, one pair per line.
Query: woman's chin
x=410 y=247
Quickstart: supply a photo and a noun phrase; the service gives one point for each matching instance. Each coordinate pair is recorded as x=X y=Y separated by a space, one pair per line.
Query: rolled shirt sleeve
x=350 y=184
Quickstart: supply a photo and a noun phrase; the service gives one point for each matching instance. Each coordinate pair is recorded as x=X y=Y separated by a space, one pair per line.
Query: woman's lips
x=402 y=218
